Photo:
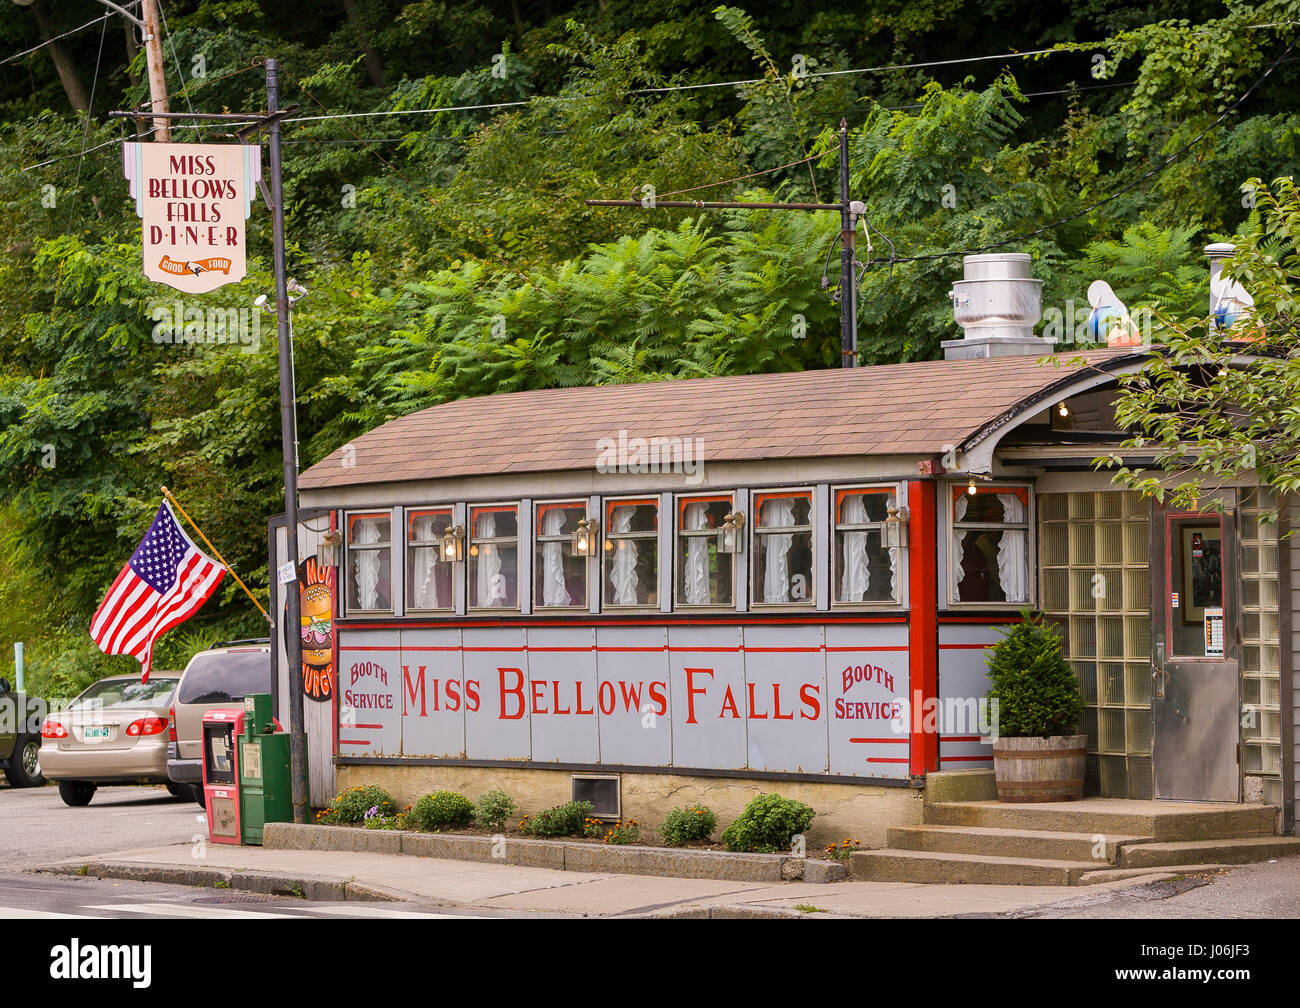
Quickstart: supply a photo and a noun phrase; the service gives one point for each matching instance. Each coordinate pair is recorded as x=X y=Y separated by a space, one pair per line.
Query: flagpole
x=220 y=559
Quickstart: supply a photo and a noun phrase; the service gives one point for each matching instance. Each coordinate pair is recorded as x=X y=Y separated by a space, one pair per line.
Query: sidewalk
x=342 y=875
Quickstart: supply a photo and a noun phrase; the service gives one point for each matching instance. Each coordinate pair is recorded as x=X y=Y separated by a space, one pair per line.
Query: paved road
x=36 y=827
x=55 y=897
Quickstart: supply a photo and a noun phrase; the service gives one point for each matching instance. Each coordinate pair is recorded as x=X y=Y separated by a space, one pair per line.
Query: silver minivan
x=219 y=677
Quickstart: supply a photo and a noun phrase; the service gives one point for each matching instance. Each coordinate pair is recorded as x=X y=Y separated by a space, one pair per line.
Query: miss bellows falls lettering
x=194 y=201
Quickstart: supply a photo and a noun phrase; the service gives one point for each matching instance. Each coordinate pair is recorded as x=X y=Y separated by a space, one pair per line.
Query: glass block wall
x=1094 y=557
x=1261 y=682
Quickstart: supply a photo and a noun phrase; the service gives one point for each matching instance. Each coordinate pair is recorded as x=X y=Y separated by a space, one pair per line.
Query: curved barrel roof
x=893 y=409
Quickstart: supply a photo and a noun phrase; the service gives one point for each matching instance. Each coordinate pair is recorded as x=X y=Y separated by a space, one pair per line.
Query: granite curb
x=313 y=888
x=623 y=859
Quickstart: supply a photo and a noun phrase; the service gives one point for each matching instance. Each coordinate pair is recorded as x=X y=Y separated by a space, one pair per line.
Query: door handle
x=1158 y=674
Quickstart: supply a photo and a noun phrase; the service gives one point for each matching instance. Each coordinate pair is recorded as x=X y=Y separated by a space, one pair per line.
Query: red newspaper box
x=222 y=727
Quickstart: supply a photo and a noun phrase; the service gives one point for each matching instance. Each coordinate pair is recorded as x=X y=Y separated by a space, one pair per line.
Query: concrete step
x=1018 y=843
x=1160 y=820
x=972 y=869
x=1243 y=850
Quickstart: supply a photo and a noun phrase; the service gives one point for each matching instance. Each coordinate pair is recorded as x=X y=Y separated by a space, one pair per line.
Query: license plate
x=94 y=733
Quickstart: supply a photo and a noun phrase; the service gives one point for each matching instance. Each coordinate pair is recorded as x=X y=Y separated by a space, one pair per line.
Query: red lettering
x=471 y=695
x=691 y=691
x=556 y=693
x=839 y=706
x=411 y=689
x=435 y=695
x=776 y=705
x=660 y=697
x=453 y=695
x=589 y=710
x=155 y=234
x=517 y=690
x=631 y=697
x=600 y=697
x=753 y=705
x=729 y=702
x=859 y=709
x=813 y=702
x=539 y=688
x=232 y=236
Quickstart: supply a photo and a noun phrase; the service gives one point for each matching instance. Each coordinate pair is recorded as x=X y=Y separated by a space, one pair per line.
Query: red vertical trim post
x=334 y=637
x=923 y=629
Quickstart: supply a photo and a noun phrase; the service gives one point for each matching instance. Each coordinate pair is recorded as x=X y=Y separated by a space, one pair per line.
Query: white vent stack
x=1229 y=300
x=997 y=302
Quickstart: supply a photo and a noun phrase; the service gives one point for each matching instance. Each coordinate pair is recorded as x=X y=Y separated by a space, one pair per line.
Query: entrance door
x=1195 y=709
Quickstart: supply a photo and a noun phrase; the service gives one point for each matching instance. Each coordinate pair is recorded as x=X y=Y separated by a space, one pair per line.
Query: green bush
x=767 y=825
x=493 y=809
x=440 y=810
x=352 y=805
x=691 y=824
x=568 y=819
x=1035 y=690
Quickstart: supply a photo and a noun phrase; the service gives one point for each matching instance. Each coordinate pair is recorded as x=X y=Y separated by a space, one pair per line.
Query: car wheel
x=199 y=796
x=25 y=767
x=76 y=792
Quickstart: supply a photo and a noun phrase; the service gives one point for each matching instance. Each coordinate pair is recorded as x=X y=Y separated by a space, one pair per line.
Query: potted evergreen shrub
x=1036 y=755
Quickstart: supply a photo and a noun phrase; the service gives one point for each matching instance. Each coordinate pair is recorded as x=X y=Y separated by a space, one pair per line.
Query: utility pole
x=289 y=450
x=849 y=211
x=157 y=77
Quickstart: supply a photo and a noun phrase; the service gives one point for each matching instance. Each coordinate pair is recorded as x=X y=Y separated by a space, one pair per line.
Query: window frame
x=607 y=504
x=679 y=534
x=759 y=497
x=471 y=541
x=566 y=538
x=951 y=527
x=408 y=519
x=349 y=550
x=836 y=489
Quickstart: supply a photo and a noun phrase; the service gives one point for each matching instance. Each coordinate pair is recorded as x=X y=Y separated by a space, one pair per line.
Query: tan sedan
x=115 y=732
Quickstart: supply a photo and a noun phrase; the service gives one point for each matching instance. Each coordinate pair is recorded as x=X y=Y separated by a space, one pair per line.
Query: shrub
x=622 y=832
x=1035 y=690
x=691 y=824
x=767 y=825
x=352 y=805
x=568 y=819
x=493 y=809
x=440 y=810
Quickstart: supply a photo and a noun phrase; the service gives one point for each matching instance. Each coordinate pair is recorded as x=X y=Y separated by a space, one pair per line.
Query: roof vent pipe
x=997 y=303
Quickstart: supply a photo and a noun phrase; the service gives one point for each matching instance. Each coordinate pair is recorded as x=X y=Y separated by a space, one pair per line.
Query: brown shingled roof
x=893 y=409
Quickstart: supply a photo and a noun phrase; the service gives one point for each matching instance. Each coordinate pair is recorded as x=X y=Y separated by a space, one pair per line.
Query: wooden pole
x=220 y=559
x=157 y=76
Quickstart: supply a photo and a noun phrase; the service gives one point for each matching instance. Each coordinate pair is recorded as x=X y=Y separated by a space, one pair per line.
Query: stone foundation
x=859 y=812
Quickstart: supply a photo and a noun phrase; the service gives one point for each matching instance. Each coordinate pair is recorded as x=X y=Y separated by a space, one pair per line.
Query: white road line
x=391 y=913
x=22 y=913
x=190 y=910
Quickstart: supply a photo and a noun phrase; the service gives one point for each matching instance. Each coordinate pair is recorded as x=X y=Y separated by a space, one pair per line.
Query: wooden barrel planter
x=1040 y=769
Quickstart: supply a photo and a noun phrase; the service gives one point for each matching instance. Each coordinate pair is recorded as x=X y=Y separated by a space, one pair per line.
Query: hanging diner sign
x=193 y=200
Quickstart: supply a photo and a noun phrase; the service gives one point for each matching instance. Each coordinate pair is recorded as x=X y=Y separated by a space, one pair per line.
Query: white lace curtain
x=424 y=566
x=366 y=531
x=491 y=583
x=776 y=550
x=1013 y=548
x=696 y=588
x=855 y=581
x=622 y=575
x=554 y=591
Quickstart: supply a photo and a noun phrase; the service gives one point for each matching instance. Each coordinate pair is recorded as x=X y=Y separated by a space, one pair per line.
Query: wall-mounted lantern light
x=452 y=547
x=327 y=553
x=730 y=539
x=585 y=537
x=896 y=528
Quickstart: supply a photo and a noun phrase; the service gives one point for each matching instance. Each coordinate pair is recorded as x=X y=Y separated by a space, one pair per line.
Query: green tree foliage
x=1032 y=683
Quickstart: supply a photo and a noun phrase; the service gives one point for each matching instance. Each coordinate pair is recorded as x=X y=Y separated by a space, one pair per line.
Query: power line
x=48 y=41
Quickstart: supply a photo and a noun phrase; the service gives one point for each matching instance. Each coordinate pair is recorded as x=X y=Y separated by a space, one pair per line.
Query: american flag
x=165 y=582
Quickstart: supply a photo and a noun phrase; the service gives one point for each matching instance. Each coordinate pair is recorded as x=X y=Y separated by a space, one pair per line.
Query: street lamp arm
x=139 y=23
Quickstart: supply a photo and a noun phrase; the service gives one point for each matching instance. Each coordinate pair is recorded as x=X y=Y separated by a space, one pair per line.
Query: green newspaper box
x=264 y=788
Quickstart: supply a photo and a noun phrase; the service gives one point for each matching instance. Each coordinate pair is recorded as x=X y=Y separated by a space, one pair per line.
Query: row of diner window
x=989 y=555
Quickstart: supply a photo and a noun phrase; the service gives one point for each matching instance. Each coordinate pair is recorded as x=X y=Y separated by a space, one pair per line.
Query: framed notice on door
x=1202 y=567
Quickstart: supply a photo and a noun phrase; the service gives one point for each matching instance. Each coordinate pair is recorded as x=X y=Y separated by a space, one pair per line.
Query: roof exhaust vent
x=997 y=302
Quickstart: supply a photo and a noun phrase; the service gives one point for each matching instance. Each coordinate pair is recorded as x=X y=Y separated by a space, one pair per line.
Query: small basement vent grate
x=603 y=793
